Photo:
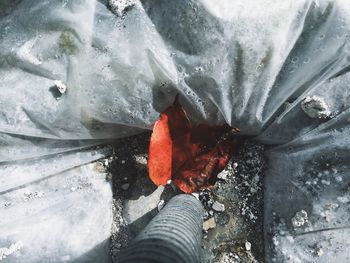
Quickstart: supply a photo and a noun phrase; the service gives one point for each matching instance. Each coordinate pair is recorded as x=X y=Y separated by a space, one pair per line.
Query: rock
x=248 y=246
x=218 y=207
x=6 y=251
x=209 y=224
x=234 y=165
x=299 y=219
x=62 y=88
x=135 y=209
x=318 y=251
x=160 y=205
x=315 y=107
x=223 y=175
x=125 y=186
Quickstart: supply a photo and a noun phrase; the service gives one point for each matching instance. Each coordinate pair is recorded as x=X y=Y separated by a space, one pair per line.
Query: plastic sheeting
x=249 y=63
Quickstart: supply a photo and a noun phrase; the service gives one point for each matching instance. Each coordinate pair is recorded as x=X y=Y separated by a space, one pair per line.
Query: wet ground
x=232 y=229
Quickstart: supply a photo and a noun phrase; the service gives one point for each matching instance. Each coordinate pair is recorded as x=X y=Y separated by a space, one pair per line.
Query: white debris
x=248 y=246
x=234 y=165
x=209 y=224
x=315 y=107
x=338 y=178
x=343 y=199
x=120 y=7
x=299 y=219
x=29 y=195
x=141 y=159
x=218 y=207
x=4 y=251
x=160 y=205
x=62 y=88
x=319 y=252
x=223 y=175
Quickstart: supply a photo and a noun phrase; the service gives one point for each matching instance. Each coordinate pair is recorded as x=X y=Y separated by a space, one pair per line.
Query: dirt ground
x=232 y=231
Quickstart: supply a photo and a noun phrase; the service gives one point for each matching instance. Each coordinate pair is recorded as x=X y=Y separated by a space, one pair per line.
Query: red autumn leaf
x=161 y=151
x=190 y=156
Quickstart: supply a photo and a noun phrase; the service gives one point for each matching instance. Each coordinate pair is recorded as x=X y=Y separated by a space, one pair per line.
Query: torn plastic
x=238 y=62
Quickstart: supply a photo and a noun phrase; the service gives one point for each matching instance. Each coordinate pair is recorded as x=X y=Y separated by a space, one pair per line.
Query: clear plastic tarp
x=76 y=74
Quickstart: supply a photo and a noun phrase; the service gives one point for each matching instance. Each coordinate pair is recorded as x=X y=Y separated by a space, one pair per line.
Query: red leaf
x=160 y=152
x=190 y=156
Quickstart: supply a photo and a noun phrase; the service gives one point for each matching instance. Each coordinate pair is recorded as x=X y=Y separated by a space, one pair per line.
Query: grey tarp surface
x=250 y=63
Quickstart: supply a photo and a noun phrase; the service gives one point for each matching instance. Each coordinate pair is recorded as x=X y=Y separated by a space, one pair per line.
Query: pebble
x=125 y=186
x=248 y=246
x=319 y=252
x=223 y=175
x=234 y=165
x=300 y=218
x=315 y=107
x=218 y=207
x=209 y=224
x=62 y=88
x=160 y=205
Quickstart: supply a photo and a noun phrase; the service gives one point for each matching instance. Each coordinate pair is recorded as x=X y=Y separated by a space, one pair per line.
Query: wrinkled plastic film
x=253 y=67
x=310 y=174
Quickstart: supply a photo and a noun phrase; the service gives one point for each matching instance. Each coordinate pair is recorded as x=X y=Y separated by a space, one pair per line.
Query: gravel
x=233 y=207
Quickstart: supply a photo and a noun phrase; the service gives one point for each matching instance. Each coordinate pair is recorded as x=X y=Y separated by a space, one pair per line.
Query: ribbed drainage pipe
x=173 y=236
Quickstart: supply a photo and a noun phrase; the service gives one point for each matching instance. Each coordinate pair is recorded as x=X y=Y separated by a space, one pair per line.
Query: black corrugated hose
x=173 y=236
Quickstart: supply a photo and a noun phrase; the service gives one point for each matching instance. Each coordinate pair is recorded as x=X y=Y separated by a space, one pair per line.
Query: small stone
x=160 y=205
x=123 y=161
x=62 y=88
x=209 y=224
x=218 y=207
x=319 y=252
x=315 y=107
x=338 y=178
x=125 y=186
x=299 y=219
x=248 y=246
x=223 y=175
x=141 y=160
